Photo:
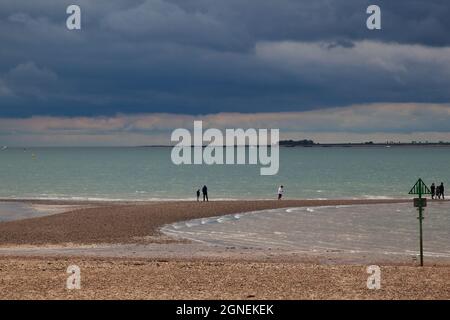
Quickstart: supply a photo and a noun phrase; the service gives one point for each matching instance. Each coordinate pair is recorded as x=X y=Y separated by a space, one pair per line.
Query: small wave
x=175 y=226
x=226 y=218
x=192 y=223
x=372 y=197
x=308 y=209
x=205 y=221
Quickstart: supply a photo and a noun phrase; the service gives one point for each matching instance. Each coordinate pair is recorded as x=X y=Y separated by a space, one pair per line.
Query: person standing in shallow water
x=433 y=190
x=441 y=190
x=205 y=193
x=280 y=192
x=198 y=195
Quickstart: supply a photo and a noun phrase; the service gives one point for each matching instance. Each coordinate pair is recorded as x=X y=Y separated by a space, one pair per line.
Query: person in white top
x=280 y=192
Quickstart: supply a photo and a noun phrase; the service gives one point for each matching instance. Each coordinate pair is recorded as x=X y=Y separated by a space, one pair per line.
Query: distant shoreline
x=289 y=144
x=286 y=144
x=283 y=144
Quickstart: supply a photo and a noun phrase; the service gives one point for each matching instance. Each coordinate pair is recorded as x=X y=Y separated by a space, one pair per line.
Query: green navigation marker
x=420 y=188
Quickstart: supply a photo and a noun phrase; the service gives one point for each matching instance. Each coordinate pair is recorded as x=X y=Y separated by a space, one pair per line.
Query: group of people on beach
x=205 y=193
x=437 y=191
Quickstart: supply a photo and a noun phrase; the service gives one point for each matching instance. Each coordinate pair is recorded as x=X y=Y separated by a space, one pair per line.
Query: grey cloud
x=161 y=21
x=4 y=89
x=209 y=56
x=28 y=79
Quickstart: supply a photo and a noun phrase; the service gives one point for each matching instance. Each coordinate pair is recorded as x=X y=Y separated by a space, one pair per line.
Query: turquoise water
x=148 y=174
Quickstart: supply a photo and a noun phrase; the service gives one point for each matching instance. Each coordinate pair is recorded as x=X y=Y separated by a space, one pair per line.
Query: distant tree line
x=309 y=143
x=292 y=143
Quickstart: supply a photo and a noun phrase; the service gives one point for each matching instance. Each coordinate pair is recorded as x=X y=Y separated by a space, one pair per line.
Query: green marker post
x=420 y=188
x=420 y=227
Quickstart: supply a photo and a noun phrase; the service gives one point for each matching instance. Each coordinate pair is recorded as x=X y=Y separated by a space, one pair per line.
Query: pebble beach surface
x=38 y=275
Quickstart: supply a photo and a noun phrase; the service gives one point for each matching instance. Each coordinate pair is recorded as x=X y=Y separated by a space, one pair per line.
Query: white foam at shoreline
x=168 y=199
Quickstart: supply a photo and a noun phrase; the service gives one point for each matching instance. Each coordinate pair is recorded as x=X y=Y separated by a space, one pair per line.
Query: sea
x=382 y=229
x=147 y=173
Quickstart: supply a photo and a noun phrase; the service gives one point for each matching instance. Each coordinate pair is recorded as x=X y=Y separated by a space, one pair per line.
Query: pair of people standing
x=437 y=192
x=205 y=193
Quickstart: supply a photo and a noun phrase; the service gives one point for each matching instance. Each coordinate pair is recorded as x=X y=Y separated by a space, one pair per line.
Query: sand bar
x=134 y=223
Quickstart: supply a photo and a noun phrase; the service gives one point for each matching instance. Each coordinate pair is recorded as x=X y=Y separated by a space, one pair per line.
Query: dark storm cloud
x=208 y=56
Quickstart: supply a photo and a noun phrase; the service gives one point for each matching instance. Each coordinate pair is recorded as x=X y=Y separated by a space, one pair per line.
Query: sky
x=138 y=69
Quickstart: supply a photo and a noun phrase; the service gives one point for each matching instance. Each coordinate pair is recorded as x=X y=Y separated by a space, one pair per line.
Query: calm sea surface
x=148 y=174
